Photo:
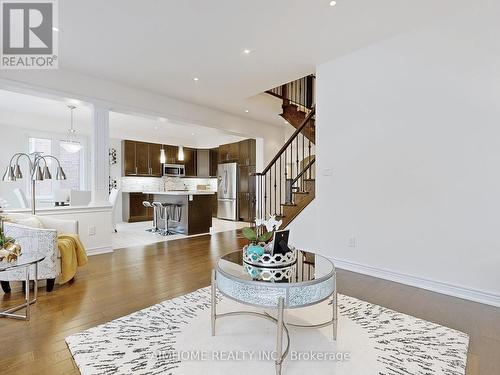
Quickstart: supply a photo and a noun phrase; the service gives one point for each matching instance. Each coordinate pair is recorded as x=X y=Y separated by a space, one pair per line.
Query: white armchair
x=37 y=233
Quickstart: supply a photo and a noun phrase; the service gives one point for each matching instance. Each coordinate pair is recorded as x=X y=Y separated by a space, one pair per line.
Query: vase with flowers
x=259 y=237
x=9 y=250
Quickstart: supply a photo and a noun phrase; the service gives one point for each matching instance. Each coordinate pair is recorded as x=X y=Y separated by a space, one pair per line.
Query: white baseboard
x=420 y=282
x=99 y=250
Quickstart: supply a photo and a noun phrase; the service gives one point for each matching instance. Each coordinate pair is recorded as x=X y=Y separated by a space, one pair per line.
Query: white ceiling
x=46 y=115
x=160 y=46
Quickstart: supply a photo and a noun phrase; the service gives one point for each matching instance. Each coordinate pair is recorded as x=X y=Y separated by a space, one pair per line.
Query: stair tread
x=300 y=192
x=288 y=204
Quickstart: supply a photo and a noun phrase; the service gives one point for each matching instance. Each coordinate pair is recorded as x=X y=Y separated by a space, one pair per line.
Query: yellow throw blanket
x=73 y=255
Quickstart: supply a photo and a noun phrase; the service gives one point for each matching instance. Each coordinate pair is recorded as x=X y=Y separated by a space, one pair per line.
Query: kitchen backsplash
x=139 y=184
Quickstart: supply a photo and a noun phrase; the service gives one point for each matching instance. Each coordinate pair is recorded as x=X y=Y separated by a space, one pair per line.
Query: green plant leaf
x=249 y=234
x=265 y=237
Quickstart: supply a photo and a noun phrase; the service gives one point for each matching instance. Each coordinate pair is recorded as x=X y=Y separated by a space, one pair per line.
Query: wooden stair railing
x=289 y=176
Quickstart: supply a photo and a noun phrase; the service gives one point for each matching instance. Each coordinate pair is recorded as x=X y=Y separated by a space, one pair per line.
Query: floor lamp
x=38 y=168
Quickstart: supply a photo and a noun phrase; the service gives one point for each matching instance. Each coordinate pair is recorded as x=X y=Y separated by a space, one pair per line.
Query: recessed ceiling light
x=162 y=119
x=246 y=51
x=333 y=3
x=156 y=127
x=192 y=133
x=55 y=29
x=196 y=79
x=246 y=111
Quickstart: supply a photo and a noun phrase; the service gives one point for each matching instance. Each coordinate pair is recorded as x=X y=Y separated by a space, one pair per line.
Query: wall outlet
x=351 y=242
x=92 y=230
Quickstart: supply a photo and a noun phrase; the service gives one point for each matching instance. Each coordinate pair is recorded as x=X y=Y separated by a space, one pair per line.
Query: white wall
x=410 y=129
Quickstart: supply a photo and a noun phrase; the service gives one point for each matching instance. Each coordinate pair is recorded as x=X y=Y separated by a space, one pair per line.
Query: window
x=44 y=146
x=71 y=163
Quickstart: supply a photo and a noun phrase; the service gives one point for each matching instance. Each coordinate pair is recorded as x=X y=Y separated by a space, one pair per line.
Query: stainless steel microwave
x=174 y=170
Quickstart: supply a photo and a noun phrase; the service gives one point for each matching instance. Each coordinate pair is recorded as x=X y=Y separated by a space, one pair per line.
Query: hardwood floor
x=113 y=285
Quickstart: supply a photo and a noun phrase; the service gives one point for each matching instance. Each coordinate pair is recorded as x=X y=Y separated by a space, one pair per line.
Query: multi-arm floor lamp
x=36 y=162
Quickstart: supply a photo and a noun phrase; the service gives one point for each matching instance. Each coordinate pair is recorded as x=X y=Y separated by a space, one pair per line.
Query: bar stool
x=164 y=215
x=175 y=213
x=154 y=229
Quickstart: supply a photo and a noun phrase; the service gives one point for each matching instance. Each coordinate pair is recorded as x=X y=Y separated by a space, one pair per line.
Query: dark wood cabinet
x=214 y=161
x=154 y=160
x=141 y=159
x=247 y=203
x=137 y=211
x=189 y=161
x=128 y=156
x=229 y=152
x=171 y=153
x=247 y=152
x=202 y=163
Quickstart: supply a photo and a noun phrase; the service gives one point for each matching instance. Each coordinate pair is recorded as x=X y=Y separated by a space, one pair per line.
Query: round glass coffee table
x=309 y=280
x=24 y=261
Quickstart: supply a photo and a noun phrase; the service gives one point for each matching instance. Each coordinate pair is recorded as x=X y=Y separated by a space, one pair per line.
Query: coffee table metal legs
x=213 y=302
x=27 y=304
x=279 y=338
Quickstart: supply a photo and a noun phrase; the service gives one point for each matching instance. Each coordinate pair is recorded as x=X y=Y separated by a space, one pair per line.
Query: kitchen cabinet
x=128 y=152
x=247 y=152
x=171 y=153
x=202 y=163
x=214 y=161
x=154 y=160
x=229 y=152
x=189 y=161
x=135 y=208
x=141 y=159
x=247 y=202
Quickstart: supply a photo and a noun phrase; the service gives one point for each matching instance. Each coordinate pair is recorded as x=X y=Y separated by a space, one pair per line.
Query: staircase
x=287 y=185
x=297 y=101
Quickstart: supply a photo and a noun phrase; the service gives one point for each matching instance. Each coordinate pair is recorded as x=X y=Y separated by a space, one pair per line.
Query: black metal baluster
x=303 y=157
x=310 y=135
x=297 y=155
x=281 y=187
x=265 y=196
x=275 y=185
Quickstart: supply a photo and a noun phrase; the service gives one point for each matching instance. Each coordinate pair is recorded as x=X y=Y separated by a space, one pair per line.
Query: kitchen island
x=196 y=209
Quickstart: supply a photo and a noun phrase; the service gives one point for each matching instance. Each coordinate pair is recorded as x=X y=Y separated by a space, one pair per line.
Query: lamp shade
x=17 y=171
x=180 y=153
x=60 y=175
x=38 y=175
x=9 y=175
x=46 y=173
x=163 y=157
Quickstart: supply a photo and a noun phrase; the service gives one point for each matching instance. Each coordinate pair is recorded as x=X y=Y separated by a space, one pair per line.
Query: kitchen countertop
x=181 y=192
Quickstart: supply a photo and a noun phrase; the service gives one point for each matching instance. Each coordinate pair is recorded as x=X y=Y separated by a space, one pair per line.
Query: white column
x=99 y=165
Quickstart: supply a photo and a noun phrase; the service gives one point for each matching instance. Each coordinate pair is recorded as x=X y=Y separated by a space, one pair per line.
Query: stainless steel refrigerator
x=227 y=191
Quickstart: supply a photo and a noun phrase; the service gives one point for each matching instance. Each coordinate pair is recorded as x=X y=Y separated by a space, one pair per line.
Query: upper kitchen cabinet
x=189 y=161
x=247 y=152
x=154 y=159
x=202 y=163
x=214 y=161
x=128 y=152
x=229 y=152
x=171 y=153
x=141 y=159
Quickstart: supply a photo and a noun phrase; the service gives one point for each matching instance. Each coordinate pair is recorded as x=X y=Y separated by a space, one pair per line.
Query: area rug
x=174 y=337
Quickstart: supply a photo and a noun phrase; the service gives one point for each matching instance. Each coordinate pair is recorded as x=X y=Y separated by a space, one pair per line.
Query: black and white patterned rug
x=173 y=337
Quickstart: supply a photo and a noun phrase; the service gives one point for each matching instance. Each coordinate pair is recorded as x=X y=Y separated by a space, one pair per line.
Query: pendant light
x=180 y=154
x=70 y=144
x=163 y=157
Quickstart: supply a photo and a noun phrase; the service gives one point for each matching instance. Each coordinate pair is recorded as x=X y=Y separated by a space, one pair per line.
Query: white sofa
x=37 y=233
